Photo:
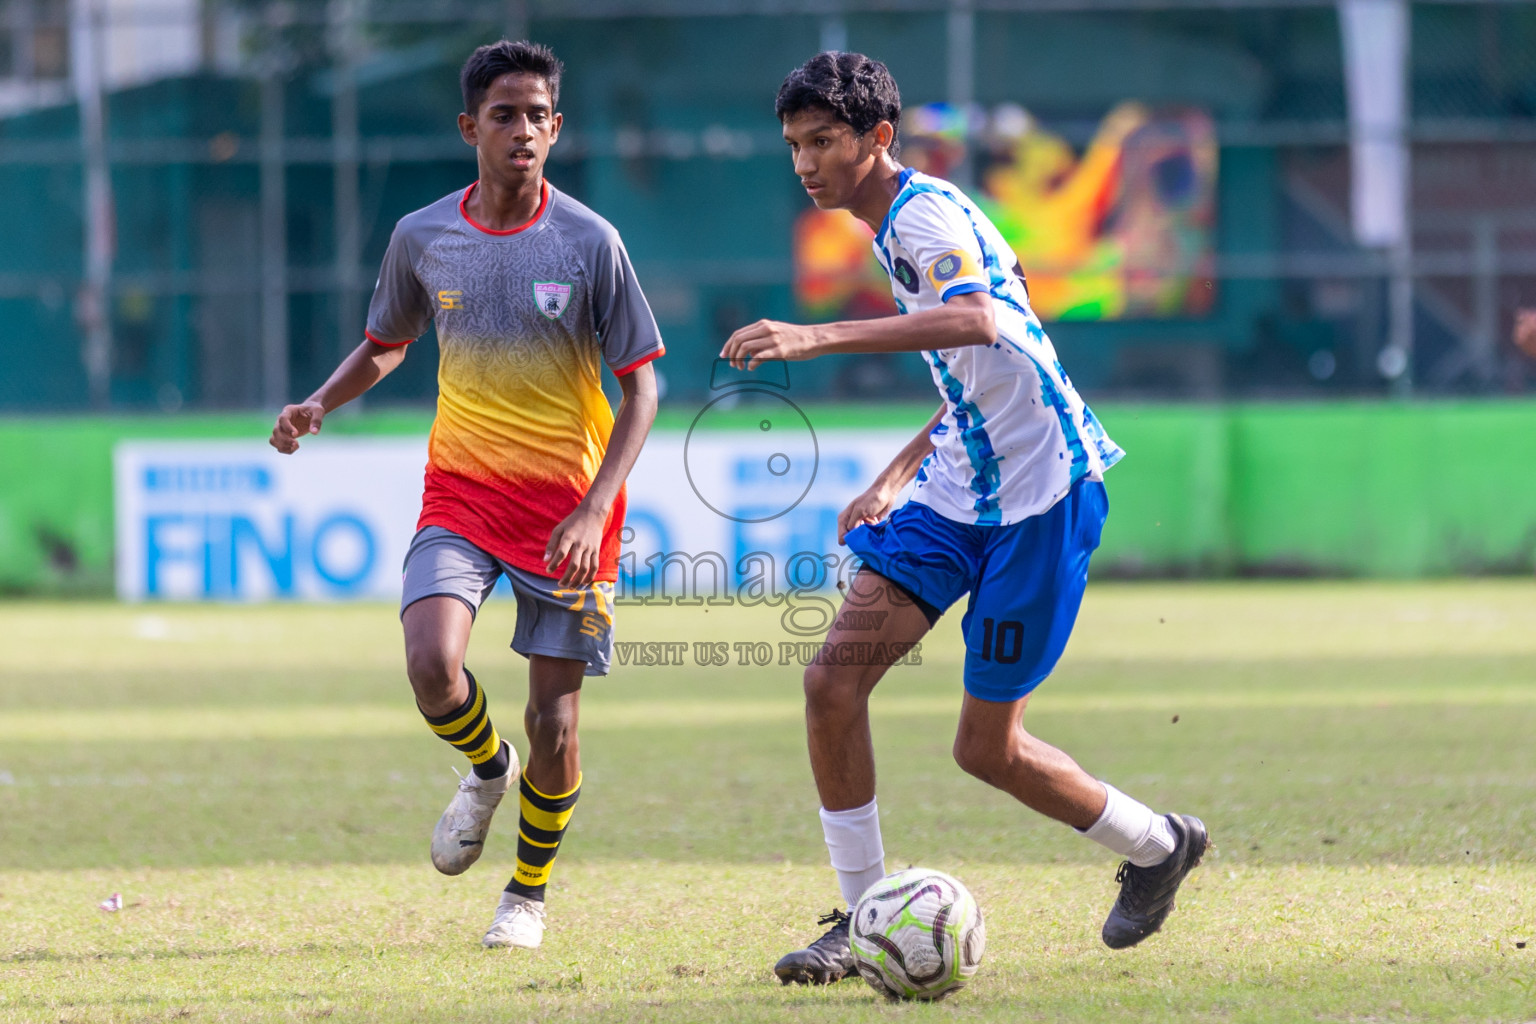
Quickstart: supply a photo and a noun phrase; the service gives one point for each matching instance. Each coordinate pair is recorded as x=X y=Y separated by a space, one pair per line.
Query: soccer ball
x=917 y=934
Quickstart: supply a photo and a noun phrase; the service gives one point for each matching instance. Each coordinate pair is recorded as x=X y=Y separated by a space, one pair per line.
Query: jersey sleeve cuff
x=963 y=288
x=387 y=344
x=623 y=371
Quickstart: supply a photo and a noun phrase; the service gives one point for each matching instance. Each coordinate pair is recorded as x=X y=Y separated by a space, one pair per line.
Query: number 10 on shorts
x=1006 y=636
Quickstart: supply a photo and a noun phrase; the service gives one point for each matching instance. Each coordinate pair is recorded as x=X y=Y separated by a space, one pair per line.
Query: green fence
x=1380 y=490
x=1369 y=490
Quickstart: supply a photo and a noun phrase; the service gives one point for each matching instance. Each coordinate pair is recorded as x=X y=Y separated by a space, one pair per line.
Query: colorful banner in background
x=1121 y=231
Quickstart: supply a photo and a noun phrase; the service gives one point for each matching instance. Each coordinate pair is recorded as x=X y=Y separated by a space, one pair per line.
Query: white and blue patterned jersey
x=1015 y=435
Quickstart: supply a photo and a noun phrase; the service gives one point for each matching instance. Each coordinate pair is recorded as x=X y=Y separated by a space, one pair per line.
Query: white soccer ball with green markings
x=917 y=934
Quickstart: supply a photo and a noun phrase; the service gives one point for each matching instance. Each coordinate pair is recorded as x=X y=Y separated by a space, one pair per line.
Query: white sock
x=1131 y=829
x=853 y=840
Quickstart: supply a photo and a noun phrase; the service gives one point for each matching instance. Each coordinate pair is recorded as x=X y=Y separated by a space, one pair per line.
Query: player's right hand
x=294 y=422
x=756 y=343
x=870 y=507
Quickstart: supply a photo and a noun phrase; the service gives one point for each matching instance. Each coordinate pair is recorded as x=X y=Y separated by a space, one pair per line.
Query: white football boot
x=519 y=922
x=459 y=837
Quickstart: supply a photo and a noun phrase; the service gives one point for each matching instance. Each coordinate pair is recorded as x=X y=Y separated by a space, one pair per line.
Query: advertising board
x=708 y=513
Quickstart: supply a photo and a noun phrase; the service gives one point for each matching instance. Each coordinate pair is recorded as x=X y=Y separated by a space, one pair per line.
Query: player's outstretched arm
x=578 y=539
x=875 y=503
x=963 y=320
x=368 y=364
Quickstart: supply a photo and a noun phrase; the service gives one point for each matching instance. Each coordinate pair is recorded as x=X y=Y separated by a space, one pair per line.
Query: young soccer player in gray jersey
x=532 y=293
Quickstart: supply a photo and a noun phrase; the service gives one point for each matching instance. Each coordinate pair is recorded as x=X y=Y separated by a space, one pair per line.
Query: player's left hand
x=868 y=508
x=579 y=538
x=768 y=339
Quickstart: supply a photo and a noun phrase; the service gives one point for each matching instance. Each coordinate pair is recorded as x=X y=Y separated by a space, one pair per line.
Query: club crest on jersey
x=551 y=297
x=905 y=274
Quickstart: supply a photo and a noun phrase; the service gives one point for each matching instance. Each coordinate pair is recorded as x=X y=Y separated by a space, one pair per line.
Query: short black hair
x=493 y=60
x=856 y=89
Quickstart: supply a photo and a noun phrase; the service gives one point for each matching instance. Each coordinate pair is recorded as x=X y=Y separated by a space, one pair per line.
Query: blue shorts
x=1026 y=581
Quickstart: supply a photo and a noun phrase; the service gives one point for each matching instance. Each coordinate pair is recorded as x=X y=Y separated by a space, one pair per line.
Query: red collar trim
x=543 y=203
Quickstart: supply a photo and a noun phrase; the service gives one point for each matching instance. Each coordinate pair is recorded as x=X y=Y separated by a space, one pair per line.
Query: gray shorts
x=561 y=623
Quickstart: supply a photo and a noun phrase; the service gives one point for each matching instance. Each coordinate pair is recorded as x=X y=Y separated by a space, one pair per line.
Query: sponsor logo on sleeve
x=951 y=265
x=450 y=299
x=905 y=274
x=551 y=297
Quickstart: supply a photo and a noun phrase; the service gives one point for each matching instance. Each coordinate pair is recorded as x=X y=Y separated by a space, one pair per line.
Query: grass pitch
x=257 y=785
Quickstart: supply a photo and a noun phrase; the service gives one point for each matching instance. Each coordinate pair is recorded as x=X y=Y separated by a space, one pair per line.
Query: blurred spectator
x=1525 y=331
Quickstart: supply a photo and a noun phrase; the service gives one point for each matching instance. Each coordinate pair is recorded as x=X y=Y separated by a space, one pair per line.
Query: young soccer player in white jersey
x=1008 y=507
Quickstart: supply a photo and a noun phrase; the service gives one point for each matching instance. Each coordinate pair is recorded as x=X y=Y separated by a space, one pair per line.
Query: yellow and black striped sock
x=539 y=831
x=469 y=728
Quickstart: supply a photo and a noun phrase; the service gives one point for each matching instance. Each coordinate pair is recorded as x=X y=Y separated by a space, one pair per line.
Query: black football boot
x=828 y=959
x=1146 y=894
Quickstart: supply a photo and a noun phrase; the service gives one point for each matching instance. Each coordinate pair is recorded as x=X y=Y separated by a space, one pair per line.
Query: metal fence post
x=274 y=235
x=960 y=74
x=344 y=170
x=834 y=33
x=94 y=307
x=1485 y=298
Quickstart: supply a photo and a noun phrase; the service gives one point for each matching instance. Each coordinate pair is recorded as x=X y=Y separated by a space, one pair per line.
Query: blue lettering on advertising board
x=343 y=579
x=797 y=468
x=805 y=528
x=207 y=478
x=340 y=551
x=647 y=535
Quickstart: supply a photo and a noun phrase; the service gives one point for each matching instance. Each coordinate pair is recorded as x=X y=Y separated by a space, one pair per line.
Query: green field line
x=319 y=721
